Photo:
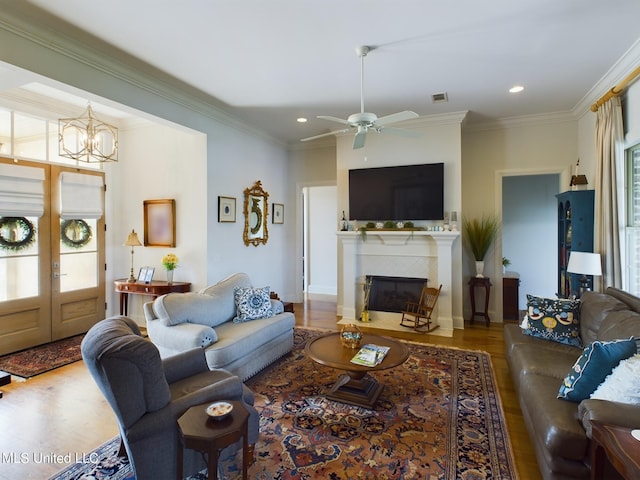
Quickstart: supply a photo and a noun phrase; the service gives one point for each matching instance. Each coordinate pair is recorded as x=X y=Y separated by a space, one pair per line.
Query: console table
x=153 y=289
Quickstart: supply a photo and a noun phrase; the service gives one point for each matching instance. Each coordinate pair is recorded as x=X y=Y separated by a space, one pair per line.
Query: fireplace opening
x=391 y=294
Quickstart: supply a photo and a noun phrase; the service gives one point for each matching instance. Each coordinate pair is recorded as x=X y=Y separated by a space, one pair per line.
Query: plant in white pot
x=479 y=234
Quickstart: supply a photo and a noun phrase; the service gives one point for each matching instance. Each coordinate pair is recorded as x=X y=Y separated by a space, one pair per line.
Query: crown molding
x=625 y=65
x=48 y=32
x=522 y=121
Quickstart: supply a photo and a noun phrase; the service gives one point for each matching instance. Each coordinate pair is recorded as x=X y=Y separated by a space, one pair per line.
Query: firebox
x=391 y=294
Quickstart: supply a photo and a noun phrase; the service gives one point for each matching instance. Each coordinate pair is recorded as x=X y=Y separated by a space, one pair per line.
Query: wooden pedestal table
x=618 y=446
x=480 y=282
x=355 y=386
x=200 y=432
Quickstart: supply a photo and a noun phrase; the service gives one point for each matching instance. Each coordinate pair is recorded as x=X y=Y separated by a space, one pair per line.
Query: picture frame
x=226 y=209
x=149 y=275
x=142 y=274
x=146 y=274
x=160 y=223
x=277 y=215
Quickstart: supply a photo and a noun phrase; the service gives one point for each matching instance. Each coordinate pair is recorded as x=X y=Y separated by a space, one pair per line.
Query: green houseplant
x=479 y=235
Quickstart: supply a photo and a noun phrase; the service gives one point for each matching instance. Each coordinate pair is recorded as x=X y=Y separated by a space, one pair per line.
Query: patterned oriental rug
x=439 y=417
x=34 y=361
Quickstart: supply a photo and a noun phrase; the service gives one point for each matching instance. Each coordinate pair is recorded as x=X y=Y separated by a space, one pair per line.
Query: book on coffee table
x=370 y=355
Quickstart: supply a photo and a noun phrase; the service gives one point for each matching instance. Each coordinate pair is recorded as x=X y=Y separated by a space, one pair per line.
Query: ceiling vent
x=439 y=97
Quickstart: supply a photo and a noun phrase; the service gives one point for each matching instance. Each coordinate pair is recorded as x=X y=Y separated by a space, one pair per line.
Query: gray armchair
x=148 y=395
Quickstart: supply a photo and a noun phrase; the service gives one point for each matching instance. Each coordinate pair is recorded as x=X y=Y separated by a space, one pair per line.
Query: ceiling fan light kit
x=363 y=121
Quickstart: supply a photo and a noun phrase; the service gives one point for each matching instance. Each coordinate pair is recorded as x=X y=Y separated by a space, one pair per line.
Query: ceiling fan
x=363 y=121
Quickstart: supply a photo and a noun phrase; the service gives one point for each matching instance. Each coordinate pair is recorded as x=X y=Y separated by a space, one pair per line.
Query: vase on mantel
x=170 y=277
x=479 y=268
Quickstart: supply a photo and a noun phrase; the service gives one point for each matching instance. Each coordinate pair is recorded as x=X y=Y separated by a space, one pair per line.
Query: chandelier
x=87 y=139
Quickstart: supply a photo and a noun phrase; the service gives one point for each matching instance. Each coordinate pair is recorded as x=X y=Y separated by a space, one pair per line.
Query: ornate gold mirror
x=255 y=215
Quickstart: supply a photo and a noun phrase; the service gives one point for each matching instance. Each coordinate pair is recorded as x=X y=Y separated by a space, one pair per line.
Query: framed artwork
x=160 y=223
x=278 y=213
x=146 y=274
x=226 y=209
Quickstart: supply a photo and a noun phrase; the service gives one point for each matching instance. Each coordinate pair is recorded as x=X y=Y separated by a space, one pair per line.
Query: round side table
x=200 y=432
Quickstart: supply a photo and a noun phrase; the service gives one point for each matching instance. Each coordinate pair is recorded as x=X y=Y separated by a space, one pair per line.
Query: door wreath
x=16 y=233
x=75 y=233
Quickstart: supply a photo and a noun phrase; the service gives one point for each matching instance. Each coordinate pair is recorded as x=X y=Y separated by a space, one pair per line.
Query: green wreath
x=16 y=233
x=75 y=233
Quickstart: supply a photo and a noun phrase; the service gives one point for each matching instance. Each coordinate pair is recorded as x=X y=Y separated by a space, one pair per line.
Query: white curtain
x=21 y=191
x=80 y=195
x=609 y=194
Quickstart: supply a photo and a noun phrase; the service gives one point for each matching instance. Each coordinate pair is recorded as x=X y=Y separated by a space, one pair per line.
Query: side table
x=618 y=446
x=480 y=282
x=154 y=289
x=200 y=432
x=510 y=296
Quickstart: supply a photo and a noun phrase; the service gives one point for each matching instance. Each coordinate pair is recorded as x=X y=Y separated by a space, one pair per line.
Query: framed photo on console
x=146 y=274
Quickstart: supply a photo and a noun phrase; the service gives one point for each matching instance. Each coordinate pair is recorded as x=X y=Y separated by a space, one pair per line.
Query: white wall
x=543 y=146
x=439 y=141
x=156 y=162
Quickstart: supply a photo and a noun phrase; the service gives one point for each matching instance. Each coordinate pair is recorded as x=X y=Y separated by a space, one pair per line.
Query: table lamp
x=584 y=263
x=132 y=241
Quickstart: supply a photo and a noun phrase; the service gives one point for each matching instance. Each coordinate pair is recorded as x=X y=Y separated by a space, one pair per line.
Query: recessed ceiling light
x=516 y=89
x=301 y=120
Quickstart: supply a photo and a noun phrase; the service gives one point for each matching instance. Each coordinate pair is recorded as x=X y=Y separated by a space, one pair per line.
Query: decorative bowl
x=350 y=336
x=219 y=410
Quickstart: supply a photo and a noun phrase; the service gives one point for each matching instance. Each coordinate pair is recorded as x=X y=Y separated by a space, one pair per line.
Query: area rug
x=390 y=321
x=34 y=361
x=439 y=417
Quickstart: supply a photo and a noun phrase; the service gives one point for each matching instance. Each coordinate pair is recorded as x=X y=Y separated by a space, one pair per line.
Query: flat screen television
x=409 y=192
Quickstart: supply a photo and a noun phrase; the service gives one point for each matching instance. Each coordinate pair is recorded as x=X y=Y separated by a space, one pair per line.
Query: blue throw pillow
x=252 y=303
x=596 y=362
x=553 y=319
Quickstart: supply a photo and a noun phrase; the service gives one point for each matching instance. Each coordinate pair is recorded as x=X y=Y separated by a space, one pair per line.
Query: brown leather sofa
x=560 y=429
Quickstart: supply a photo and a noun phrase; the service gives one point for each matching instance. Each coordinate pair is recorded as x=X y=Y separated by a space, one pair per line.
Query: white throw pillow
x=623 y=384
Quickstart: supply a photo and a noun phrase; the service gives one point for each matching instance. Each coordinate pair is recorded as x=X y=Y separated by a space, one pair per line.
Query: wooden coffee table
x=354 y=386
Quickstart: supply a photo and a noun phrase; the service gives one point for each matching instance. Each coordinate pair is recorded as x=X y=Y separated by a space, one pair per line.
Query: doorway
x=529 y=232
x=320 y=250
x=52 y=261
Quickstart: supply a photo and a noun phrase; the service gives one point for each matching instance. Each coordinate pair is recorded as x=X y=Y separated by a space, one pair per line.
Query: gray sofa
x=560 y=429
x=178 y=322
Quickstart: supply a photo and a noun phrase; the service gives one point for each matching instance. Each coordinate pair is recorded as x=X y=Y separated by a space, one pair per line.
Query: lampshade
x=132 y=240
x=584 y=263
x=87 y=139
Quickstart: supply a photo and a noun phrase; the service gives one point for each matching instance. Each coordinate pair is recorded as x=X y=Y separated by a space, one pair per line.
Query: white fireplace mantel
x=383 y=248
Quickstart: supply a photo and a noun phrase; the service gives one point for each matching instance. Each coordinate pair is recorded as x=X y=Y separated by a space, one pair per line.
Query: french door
x=52 y=265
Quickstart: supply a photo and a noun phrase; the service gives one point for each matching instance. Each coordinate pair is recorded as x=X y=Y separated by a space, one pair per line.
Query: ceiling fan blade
x=399 y=131
x=335 y=132
x=358 y=140
x=396 y=117
x=333 y=119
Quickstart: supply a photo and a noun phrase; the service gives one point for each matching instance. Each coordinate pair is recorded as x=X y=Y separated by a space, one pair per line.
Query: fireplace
x=391 y=294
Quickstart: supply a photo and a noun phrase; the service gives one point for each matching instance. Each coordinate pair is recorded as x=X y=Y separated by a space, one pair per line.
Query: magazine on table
x=370 y=355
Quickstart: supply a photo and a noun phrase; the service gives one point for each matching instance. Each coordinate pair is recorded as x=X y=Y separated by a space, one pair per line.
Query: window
x=633 y=219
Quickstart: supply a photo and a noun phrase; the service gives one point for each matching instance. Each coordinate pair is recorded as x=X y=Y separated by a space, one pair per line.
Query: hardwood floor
x=48 y=420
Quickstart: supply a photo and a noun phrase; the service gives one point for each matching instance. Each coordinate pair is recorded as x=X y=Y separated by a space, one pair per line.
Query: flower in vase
x=170 y=261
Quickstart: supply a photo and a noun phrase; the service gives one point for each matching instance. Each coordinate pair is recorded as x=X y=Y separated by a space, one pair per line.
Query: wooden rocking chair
x=418 y=315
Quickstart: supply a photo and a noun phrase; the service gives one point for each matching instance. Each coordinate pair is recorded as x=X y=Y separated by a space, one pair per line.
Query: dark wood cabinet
x=510 y=296
x=575 y=232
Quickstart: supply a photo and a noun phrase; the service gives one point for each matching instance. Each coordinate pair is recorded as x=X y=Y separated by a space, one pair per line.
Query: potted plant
x=505 y=263
x=479 y=235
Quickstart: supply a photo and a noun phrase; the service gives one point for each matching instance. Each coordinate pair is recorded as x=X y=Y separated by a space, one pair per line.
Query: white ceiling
x=273 y=61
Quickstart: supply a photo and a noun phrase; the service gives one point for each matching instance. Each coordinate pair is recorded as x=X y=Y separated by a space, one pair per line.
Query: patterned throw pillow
x=596 y=362
x=553 y=319
x=252 y=303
